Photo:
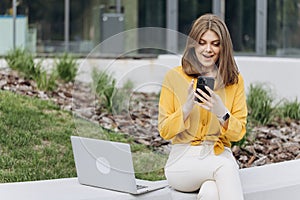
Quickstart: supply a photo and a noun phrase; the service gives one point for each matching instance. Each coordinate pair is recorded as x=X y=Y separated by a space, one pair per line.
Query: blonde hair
x=227 y=68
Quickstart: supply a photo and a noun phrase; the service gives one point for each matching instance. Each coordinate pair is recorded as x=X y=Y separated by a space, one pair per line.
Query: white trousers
x=192 y=168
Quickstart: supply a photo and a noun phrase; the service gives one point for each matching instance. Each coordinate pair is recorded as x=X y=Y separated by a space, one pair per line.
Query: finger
x=191 y=85
x=206 y=107
x=209 y=90
x=201 y=95
x=206 y=96
x=203 y=105
x=203 y=100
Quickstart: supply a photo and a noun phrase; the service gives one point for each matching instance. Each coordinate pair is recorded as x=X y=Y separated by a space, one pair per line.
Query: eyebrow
x=211 y=41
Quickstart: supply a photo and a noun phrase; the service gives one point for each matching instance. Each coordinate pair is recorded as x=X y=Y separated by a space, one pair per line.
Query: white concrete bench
x=269 y=182
x=274 y=181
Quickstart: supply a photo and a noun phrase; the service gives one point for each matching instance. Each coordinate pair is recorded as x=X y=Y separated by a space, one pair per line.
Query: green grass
x=35 y=141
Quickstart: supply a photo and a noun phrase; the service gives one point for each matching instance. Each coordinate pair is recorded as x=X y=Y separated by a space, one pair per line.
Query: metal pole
x=14 y=23
x=172 y=26
x=118 y=6
x=67 y=21
x=261 y=27
x=219 y=8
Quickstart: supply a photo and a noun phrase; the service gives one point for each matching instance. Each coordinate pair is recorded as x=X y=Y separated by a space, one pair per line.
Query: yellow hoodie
x=201 y=124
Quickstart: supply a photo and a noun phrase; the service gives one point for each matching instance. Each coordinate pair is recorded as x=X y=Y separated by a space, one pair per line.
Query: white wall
x=146 y=74
x=280 y=74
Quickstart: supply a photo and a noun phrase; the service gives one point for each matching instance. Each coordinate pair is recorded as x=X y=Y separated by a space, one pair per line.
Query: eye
x=202 y=42
x=216 y=44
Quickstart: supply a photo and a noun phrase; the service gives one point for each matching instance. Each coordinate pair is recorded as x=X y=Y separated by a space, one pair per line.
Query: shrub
x=112 y=98
x=23 y=62
x=260 y=104
x=16 y=58
x=46 y=82
x=121 y=97
x=103 y=85
x=66 y=68
x=290 y=109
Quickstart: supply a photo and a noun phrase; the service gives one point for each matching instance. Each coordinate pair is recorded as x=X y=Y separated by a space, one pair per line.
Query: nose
x=208 y=48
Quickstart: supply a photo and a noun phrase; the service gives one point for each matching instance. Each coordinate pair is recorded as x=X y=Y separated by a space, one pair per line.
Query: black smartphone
x=203 y=81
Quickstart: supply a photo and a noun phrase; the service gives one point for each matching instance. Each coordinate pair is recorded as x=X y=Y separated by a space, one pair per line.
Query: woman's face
x=208 y=50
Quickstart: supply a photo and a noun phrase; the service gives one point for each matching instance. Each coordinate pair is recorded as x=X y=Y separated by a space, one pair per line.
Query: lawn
x=35 y=141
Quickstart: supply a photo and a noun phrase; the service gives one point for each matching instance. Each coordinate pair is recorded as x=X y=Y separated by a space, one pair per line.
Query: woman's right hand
x=189 y=104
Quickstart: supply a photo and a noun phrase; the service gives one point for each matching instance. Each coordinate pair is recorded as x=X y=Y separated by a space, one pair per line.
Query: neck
x=212 y=72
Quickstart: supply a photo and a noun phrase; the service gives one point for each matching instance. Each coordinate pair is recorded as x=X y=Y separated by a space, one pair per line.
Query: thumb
x=190 y=88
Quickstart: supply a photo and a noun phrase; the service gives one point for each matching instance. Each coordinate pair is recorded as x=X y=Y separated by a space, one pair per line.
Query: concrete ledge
x=274 y=181
x=68 y=189
x=269 y=182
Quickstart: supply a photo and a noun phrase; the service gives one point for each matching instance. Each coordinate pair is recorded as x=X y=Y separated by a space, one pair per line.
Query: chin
x=207 y=64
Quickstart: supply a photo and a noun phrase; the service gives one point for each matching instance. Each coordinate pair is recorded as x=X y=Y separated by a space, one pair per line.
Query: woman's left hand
x=212 y=103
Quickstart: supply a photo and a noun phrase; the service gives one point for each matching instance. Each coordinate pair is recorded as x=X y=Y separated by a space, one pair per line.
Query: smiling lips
x=207 y=56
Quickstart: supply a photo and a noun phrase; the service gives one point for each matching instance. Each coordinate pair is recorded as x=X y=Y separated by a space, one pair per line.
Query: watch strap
x=223 y=118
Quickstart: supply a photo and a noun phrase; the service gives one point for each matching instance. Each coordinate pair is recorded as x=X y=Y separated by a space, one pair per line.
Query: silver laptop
x=108 y=165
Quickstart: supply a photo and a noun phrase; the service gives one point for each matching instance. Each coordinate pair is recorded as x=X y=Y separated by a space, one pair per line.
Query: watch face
x=226 y=116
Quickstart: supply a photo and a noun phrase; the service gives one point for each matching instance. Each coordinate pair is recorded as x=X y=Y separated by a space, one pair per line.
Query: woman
x=202 y=126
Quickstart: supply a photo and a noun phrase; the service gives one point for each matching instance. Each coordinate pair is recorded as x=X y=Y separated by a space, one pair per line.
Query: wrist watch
x=224 y=117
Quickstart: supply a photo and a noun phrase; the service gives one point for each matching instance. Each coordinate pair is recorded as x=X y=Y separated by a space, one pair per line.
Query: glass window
x=283 y=28
x=240 y=20
x=188 y=11
x=152 y=14
x=47 y=20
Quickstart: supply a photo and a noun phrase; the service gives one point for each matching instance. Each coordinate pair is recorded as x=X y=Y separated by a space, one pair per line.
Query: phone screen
x=203 y=81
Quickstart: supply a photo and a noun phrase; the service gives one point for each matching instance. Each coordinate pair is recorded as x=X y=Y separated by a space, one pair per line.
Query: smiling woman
x=202 y=131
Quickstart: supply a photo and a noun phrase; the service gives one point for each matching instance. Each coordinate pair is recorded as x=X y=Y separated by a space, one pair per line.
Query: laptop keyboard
x=141 y=186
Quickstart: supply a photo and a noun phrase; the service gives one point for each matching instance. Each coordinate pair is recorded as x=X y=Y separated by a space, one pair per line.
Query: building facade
x=257 y=27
